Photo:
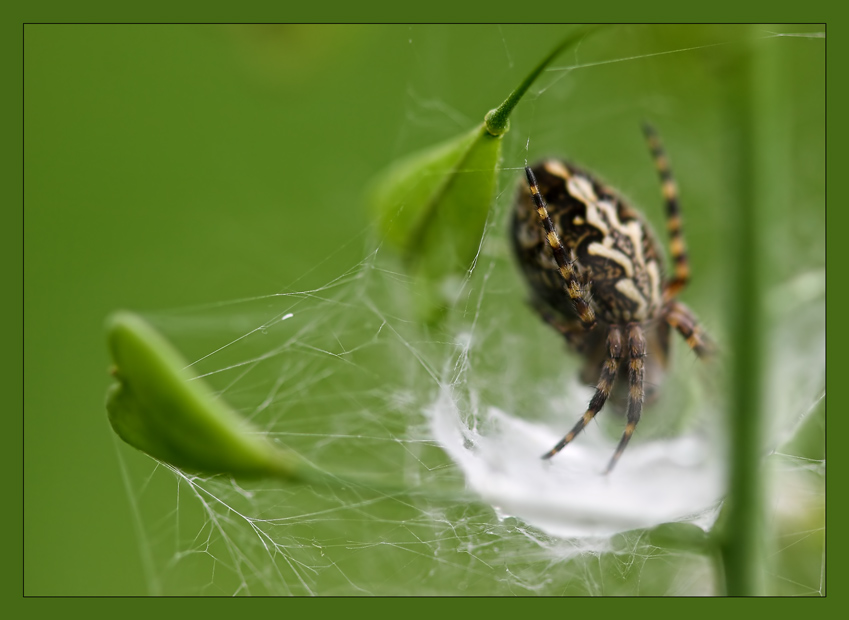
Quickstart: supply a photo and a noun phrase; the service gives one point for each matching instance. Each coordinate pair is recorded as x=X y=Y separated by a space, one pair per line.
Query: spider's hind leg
x=605 y=384
x=636 y=372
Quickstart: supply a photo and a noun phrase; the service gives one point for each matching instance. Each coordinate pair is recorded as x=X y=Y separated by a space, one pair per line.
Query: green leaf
x=433 y=206
x=160 y=407
x=407 y=195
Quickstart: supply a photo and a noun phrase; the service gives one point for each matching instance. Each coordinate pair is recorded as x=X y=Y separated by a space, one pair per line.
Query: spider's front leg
x=573 y=285
x=602 y=391
x=636 y=372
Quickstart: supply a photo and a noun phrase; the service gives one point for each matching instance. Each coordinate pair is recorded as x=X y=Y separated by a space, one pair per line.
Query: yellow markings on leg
x=680 y=318
x=673 y=224
x=587 y=316
x=694 y=341
x=606 y=381
x=674 y=321
x=669 y=189
x=676 y=244
x=574 y=289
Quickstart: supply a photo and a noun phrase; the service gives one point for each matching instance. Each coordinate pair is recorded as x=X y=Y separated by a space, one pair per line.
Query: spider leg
x=573 y=284
x=673 y=216
x=682 y=318
x=636 y=372
x=602 y=391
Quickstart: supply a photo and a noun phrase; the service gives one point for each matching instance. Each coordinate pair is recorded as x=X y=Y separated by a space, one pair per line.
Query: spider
x=596 y=275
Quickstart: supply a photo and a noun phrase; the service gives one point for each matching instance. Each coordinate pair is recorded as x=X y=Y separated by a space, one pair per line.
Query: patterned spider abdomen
x=609 y=244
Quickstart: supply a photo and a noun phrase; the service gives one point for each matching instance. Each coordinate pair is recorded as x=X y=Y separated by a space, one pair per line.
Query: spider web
x=449 y=421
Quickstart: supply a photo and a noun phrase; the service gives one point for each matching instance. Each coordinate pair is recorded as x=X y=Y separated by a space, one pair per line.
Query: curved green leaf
x=160 y=407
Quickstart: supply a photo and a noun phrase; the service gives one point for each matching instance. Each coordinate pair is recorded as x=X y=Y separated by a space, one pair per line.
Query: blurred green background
x=171 y=166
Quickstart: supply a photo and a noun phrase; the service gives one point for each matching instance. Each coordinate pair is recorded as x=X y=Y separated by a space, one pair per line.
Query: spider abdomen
x=614 y=252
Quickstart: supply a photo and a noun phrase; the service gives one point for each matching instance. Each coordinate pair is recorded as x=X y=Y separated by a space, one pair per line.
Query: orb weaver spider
x=596 y=275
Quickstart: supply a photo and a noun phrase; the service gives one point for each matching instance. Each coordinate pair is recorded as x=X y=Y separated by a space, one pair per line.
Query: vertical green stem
x=742 y=536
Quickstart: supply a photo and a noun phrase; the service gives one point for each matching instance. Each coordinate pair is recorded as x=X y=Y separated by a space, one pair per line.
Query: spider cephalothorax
x=596 y=276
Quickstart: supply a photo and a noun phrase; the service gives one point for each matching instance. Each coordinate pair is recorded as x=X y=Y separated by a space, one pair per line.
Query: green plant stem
x=741 y=537
x=497 y=121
